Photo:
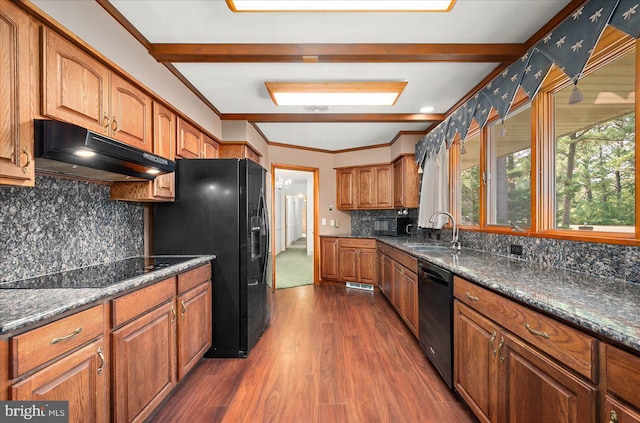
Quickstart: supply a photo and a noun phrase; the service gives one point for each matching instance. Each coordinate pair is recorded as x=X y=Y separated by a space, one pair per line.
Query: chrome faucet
x=455 y=244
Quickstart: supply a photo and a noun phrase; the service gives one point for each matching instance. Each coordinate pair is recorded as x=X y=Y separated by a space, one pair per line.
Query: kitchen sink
x=427 y=247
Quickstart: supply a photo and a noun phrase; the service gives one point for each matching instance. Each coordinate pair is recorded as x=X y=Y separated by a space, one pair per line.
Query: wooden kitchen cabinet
x=504 y=376
x=16 y=127
x=374 y=187
x=144 y=363
x=621 y=379
x=357 y=260
x=161 y=188
x=79 y=89
x=346 y=189
x=406 y=182
x=194 y=322
x=80 y=378
x=239 y=150
x=189 y=140
x=329 y=259
x=210 y=148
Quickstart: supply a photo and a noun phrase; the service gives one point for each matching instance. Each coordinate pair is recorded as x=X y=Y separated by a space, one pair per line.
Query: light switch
x=332 y=222
x=336 y=224
x=324 y=221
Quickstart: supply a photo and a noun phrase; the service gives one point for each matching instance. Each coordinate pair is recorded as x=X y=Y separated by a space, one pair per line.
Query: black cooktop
x=98 y=276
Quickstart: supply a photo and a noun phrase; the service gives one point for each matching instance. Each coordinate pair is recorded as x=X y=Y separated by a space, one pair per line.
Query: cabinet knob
x=64 y=338
x=492 y=343
x=105 y=122
x=472 y=297
x=613 y=417
x=173 y=314
x=101 y=356
x=114 y=125
x=536 y=332
x=184 y=307
x=500 y=345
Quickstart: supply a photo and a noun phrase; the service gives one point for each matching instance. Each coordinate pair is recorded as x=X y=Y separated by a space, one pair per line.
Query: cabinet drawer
x=569 y=346
x=138 y=302
x=405 y=259
x=384 y=248
x=193 y=278
x=38 y=346
x=622 y=374
x=357 y=242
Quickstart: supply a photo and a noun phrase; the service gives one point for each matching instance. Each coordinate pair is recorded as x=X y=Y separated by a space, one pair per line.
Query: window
x=509 y=170
x=595 y=151
x=470 y=181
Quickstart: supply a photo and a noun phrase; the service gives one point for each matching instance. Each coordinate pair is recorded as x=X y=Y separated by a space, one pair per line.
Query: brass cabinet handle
x=535 y=332
x=64 y=338
x=114 y=125
x=500 y=345
x=25 y=151
x=492 y=344
x=105 y=122
x=101 y=356
x=613 y=417
x=173 y=314
x=184 y=307
x=472 y=297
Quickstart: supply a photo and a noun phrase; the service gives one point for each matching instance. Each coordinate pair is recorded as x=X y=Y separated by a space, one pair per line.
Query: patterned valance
x=568 y=46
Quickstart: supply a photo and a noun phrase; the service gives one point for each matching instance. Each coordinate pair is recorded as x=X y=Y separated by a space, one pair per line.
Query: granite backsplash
x=64 y=224
x=361 y=219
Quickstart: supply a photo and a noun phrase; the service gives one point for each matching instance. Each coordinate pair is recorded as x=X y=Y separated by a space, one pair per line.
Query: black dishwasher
x=435 y=305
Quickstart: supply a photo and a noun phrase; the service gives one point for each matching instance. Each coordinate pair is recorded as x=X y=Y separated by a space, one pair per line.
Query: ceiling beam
x=336 y=117
x=336 y=53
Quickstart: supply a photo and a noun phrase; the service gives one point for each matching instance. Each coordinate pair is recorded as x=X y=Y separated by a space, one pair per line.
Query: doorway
x=295 y=210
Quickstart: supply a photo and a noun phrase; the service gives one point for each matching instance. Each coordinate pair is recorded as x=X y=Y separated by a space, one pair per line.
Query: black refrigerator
x=220 y=209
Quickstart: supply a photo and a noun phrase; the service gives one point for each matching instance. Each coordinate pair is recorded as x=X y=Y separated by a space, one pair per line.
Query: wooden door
x=144 y=363
x=164 y=144
x=194 y=327
x=366 y=188
x=406 y=182
x=75 y=86
x=366 y=265
x=346 y=189
x=210 y=148
x=384 y=187
x=387 y=275
x=16 y=128
x=534 y=389
x=396 y=286
x=189 y=142
x=348 y=265
x=475 y=369
x=131 y=114
x=409 y=296
x=80 y=378
x=329 y=259
x=618 y=412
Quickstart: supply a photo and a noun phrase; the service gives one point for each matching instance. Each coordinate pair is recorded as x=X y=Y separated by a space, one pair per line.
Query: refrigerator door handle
x=265 y=219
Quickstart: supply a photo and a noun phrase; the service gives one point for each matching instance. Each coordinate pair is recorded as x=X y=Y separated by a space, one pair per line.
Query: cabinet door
x=387 y=275
x=617 y=412
x=409 y=299
x=366 y=262
x=406 y=182
x=384 y=187
x=144 y=363
x=16 y=128
x=80 y=378
x=348 y=264
x=535 y=389
x=329 y=259
x=194 y=327
x=189 y=142
x=131 y=114
x=475 y=369
x=164 y=144
x=210 y=148
x=75 y=86
x=346 y=189
x=366 y=188
x=396 y=285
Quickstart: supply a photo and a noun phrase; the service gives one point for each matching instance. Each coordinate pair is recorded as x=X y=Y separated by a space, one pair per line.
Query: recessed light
x=153 y=171
x=361 y=93
x=426 y=109
x=340 y=5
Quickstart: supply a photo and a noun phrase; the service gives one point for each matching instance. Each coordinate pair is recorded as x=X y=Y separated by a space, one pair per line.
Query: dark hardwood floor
x=330 y=355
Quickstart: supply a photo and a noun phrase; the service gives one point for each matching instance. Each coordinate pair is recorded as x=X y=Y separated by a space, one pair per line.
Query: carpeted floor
x=293 y=266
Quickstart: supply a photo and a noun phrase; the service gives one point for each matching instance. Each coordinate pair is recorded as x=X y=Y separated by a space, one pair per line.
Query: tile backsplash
x=63 y=224
x=361 y=220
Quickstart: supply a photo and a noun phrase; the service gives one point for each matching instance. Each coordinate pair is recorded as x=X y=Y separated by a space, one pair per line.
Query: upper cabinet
x=382 y=186
x=210 y=148
x=79 y=89
x=16 y=129
x=239 y=150
x=189 y=142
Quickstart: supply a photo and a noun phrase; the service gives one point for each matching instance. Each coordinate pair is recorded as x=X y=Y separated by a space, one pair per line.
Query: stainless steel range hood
x=68 y=149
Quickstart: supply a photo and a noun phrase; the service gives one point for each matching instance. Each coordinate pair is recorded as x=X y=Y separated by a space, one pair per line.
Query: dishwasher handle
x=440 y=276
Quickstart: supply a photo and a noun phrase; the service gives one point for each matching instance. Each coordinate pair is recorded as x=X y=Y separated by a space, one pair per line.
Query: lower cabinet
x=144 y=364
x=80 y=378
x=505 y=378
x=621 y=379
x=329 y=259
x=357 y=260
x=194 y=327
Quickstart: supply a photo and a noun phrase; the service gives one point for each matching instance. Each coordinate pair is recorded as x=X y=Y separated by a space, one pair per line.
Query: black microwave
x=392 y=226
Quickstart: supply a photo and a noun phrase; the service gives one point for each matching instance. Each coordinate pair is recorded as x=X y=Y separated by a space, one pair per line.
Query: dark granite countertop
x=21 y=307
x=605 y=306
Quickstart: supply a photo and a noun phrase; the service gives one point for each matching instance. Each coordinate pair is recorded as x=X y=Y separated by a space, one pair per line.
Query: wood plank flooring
x=330 y=355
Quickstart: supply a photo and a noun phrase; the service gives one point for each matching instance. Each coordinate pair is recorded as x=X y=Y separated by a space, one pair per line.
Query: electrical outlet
x=516 y=249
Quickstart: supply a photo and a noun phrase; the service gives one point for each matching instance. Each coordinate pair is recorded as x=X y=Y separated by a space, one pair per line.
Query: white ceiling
x=238 y=89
